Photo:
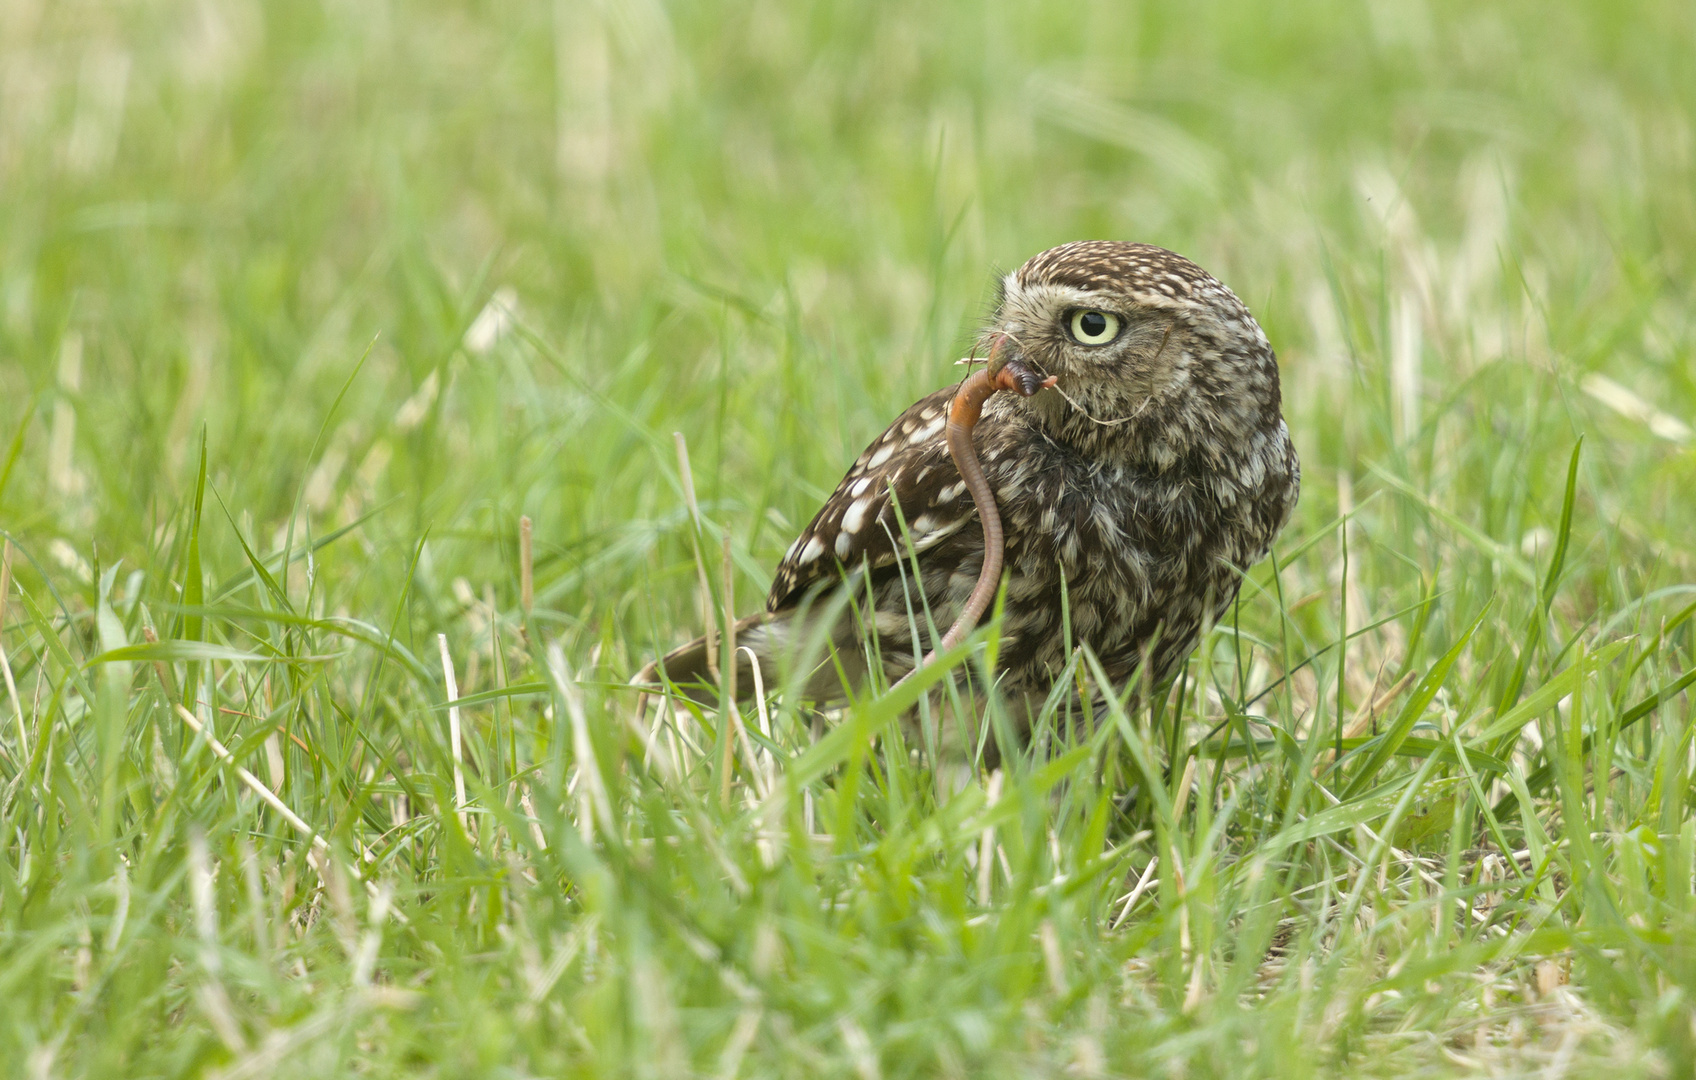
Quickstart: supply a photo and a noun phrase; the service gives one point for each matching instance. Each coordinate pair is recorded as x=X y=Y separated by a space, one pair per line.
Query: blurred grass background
x=424 y=269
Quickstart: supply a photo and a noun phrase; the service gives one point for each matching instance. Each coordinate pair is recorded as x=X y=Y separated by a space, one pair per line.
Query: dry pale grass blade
x=1365 y=716
x=861 y=1054
x=725 y=770
x=451 y=685
x=767 y=757
x=266 y=795
x=526 y=804
x=583 y=747
x=17 y=706
x=1629 y=405
x=741 y=1038
x=526 y=567
x=1145 y=882
x=270 y=798
x=167 y=682
x=214 y=998
x=5 y=578
x=729 y=582
x=986 y=842
x=750 y=760
x=1407 y=346
x=5 y=663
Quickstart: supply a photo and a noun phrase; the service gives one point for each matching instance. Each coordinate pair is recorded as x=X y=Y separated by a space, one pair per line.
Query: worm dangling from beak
x=1002 y=373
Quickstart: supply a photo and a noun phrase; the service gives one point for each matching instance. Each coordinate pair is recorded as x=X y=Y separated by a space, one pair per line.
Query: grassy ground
x=302 y=307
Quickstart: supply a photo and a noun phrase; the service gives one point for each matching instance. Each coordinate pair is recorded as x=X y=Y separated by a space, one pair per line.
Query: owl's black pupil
x=1093 y=324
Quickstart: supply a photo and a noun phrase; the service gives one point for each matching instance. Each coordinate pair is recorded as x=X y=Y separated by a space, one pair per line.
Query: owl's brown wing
x=858 y=525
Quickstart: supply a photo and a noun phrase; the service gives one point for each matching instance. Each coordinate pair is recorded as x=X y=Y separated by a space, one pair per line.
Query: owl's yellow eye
x=1091 y=327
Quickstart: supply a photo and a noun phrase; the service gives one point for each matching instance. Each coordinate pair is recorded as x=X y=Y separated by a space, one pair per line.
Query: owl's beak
x=1004 y=347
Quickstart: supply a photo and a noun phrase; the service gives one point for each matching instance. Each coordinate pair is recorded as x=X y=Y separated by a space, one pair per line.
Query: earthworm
x=1001 y=374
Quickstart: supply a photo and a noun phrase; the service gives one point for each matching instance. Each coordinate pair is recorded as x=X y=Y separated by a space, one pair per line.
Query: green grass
x=242 y=248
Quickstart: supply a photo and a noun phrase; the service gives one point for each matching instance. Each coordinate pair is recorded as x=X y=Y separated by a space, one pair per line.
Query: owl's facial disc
x=1085 y=336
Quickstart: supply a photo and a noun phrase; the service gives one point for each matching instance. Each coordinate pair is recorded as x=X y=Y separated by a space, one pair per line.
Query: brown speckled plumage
x=1160 y=469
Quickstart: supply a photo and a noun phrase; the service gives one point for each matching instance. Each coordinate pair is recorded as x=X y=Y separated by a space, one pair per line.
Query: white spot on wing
x=881 y=456
x=856 y=516
x=844 y=544
x=860 y=486
x=931 y=539
x=812 y=551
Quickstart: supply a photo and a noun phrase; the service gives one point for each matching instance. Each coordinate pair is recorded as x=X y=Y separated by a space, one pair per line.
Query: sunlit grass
x=303 y=308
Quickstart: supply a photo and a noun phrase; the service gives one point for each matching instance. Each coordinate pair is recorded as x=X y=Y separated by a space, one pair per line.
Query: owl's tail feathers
x=693 y=668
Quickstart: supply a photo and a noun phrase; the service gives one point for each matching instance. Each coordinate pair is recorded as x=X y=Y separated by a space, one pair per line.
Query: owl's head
x=1149 y=347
